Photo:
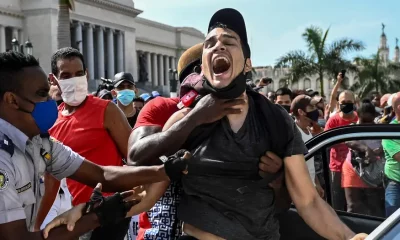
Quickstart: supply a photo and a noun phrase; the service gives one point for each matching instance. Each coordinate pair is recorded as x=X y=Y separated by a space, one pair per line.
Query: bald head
x=346 y=96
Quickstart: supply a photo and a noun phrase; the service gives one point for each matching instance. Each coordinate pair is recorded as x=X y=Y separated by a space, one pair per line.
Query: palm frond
x=313 y=38
x=291 y=58
x=346 y=45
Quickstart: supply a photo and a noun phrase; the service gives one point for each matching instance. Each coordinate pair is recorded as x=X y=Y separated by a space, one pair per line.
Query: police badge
x=3 y=180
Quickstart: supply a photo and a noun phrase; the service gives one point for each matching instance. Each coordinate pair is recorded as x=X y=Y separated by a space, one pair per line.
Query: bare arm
x=153 y=193
x=209 y=109
x=118 y=179
x=313 y=209
x=156 y=190
x=117 y=125
x=332 y=100
x=17 y=230
x=145 y=150
x=51 y=186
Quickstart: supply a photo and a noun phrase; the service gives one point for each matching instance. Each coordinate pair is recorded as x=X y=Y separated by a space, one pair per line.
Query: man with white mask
x=95 y=128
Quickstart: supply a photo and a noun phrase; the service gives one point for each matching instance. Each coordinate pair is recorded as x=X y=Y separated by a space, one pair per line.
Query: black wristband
x=175 y=164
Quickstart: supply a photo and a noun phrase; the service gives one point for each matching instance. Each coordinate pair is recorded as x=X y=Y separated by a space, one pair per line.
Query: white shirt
x=310 y=162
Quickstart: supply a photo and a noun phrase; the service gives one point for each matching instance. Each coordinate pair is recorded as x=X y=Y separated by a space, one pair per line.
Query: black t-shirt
x=223 y=163
x=132 y=120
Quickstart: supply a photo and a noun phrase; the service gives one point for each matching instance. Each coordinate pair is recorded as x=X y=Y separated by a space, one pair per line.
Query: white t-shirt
x=310 y=162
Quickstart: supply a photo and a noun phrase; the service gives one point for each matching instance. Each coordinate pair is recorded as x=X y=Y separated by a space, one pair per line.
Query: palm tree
x=321 y=58
x=375 y=76
x=63 y=29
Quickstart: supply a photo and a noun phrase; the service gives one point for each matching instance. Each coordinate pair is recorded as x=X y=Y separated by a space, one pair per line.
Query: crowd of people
x=221 y=161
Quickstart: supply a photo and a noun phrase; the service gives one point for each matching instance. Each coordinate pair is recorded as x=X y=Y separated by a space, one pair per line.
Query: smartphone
x=343 y=73
x=266 y=80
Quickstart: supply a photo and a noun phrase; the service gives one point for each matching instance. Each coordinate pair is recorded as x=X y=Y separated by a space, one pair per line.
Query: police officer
x=27 y=152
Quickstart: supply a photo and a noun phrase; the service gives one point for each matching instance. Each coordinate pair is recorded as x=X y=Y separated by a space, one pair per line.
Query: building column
x=155 y=70
x=90 y=50
x=120 y=53
x=100 y=52
x=173 y=63
x=78 y=37
x=15 y=34
x=166 y=71
x=148 y=67
x=161 y=70
x=110 y=53
x=21 y=37
x=301 y=84
x=2 y=39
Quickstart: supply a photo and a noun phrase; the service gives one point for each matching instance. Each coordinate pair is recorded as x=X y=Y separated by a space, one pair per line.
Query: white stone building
x=108 y=33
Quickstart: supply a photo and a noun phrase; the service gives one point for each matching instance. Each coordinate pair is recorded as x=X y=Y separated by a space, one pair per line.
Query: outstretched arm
x=156 y=190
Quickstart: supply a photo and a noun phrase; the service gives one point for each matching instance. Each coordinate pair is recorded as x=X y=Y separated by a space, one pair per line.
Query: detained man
x=222 y=195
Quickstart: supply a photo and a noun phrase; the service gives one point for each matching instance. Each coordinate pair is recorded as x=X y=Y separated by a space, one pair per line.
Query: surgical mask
x=44 y=113
x=126 y=96
x=236 y=88
x=313 y=115
x=347 y=108
x=74 y=90
x=286 y=107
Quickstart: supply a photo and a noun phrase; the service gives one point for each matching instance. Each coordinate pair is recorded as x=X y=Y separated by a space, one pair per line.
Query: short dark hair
x=65 y=53
x=366 y=107
x=138 y=99
x=245 y=48
x=284 y=91
x=11 y=63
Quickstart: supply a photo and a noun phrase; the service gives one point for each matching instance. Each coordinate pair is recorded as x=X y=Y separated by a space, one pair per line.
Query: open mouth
x=221 y=65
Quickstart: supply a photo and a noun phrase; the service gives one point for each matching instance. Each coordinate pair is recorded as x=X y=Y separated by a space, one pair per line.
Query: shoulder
x=6 y=144
x=157 y=112
x=92 y=101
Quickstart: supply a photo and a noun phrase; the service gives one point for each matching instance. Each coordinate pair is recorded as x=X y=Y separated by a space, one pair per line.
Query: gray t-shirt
x=224 y=163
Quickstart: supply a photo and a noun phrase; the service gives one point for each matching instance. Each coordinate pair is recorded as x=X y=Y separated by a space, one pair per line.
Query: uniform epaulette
x=6 y=144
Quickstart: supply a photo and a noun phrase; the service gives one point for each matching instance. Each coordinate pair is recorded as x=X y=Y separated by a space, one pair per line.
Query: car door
x=367 y=215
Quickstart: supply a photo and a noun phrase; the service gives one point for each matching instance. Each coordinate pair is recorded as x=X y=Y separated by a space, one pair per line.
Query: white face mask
x=74 y=90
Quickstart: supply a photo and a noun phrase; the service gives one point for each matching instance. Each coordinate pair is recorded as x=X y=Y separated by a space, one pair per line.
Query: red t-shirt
x=83 y=131
x=154 y=113
x=339 y=151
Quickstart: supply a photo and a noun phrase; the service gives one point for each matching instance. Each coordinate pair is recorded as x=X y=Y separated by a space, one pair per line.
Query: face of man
x=138 y=105
x=283 y=100
x=223 y=58
x=70 y=68
x=34 y=88
x=271 y=96
x=309 y=114
x=346 y=102
x=125 y=85
x=376 y=100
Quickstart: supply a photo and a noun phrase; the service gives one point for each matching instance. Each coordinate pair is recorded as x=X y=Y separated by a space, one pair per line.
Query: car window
x=357 y=179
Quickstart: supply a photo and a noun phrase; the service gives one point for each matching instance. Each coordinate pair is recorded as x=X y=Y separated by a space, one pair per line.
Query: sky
x=274 y=27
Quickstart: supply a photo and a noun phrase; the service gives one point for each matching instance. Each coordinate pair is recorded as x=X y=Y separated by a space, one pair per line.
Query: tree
x=375 y=76
x=64 y=25
x=321 y=58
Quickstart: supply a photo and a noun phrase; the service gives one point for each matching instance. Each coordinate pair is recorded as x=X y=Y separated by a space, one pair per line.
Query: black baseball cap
x=233 y=20
x=121 y=77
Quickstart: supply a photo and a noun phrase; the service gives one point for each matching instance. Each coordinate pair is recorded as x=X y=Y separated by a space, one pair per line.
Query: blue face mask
x=125 y=97
x=44 y=113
